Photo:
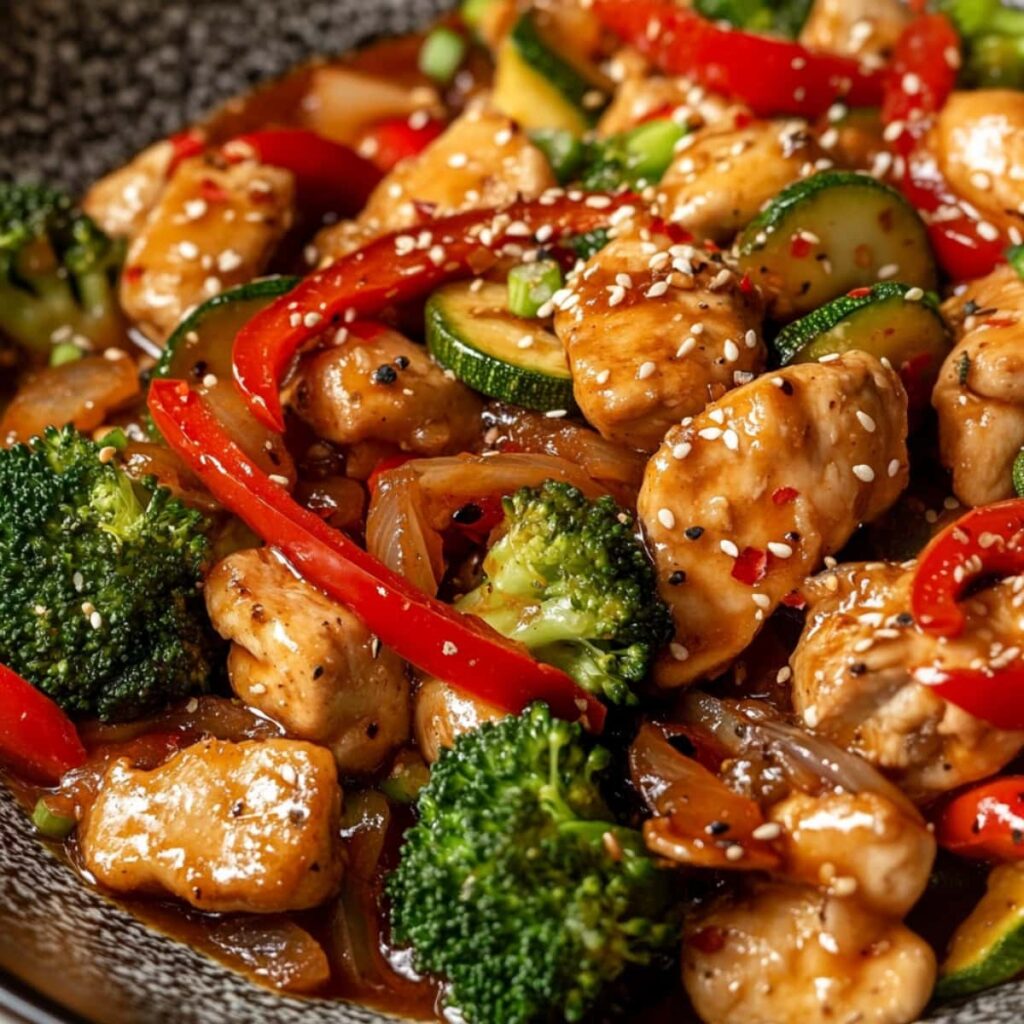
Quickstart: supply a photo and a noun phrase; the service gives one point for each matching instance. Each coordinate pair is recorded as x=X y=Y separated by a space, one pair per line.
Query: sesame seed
x=107 y=453
x=734 y=853
x=678 y=651
x=681 y=450
x=979 y=179
x=95 y=620
x=911 y=83
x=210 y=380
x=603 y=376
x=894 y=467
x=525 y=341
x=646 y=370
x=864 y=472
x=457 y=160
x=889 y=270
x=761 y=600
x=717 y=415
x=844 y=886
x=766 y=832
x=686 y=347
x=914 y=294
x=731 y=439
x=710 y=433
x=866 y=421
x=666 y=518
x=730 y=350
x=750 y=338
x=784 y=674
x=656 y=290
x=987 y=231
x=556 y=414
x=780 y=550
x=281 y=481
x=729 y=548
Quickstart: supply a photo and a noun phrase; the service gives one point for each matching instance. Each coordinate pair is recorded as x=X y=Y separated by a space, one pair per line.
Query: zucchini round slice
x=988 y=948
x=540 y=88
x=909 y=333
x=472 y=333
x=830 y=233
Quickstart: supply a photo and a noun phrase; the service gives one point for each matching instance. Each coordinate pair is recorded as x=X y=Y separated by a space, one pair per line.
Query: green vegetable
x=1015 y=257
x=988 y=948
x=531 y=286
x=570 y=579
x=58 y=272
x=473 y=12
x=564 y=150
x=638 y=157
x=99 y=599
x=963 y=369
x=782 y=17
x=65 y=352
x=1018 y=474
x=518 y=886
x=51 y=825
x=407 y=777
x=588 y=245
x=471 y=332
x=442 y=54
x=993 y=38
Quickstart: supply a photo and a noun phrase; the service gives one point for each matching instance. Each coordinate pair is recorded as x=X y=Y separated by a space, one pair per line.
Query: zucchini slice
x=540 y=88
x=881 y=320
x=988 y=948
x=827 y=234
x=473 y=334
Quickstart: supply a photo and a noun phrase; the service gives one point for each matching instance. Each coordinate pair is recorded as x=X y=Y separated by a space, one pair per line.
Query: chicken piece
x=121 y=201
x=709 y=188
x=861 y=843
x=227 y=827
x=978 y=141
x=441 y=714
x=308 y=662
x=211 y=229
x=641 y=96
x=852 y=682
x=979 y=395
x=866 y=29
x=788 y=953
x=384 y=388
x=649 y=346
x=482 y=160
x=740 y=503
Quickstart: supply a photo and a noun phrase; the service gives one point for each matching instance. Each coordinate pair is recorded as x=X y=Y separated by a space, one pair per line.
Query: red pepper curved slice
x=328 y=175
x=986 y=541
x=772 y=76
x=188 y=143
x=986 y=822
x=396 y=139
x=36 y=737
x=433 y=636
x=995 y=696
x=385 y=272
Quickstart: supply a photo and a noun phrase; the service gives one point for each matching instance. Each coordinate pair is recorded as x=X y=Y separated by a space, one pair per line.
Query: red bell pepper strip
x=395 y=139
x=772 y=76
x=995 y=696
x=328 y=175
x=986 y=541
x=986 y=822
x=36 y=737
x=433 y=636
x=387 y=271
x=188 y=143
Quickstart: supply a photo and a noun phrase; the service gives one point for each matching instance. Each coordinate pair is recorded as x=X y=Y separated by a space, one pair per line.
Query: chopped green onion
x=1018 y=474
x=473 y=12
x=405 y=781
x=531 y=286
x=115 y=438
x=65 y=352
x=51 y=825
x=441 y=54
x=1015 y=257
x=651 y=147
x=564 y=151
x=587 y=245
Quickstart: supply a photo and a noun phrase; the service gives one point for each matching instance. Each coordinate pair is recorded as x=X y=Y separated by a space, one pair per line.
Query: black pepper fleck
x=677 y=577
x=384 y=375
x=467 y=514
x=693 y=532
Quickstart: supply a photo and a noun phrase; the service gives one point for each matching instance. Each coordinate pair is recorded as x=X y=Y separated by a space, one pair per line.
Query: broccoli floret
x=99 y=604
x=58 y=272
x=570 y=579
x=993 y=36
x=517 y=886
x=782 y=17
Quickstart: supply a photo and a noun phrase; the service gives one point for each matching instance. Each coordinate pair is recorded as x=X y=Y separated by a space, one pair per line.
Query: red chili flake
x=799 y=247
x=746 y=285
x=708 y=940
x=859 y=293
x=184 y=145
x=677 y=234
x=750 y=566
x=916 y=374
x=212 y=192
x=743 y=118
x=794 y=599
x=999 y=321
x=784 y=495
x=132 y=273
x=711 y=245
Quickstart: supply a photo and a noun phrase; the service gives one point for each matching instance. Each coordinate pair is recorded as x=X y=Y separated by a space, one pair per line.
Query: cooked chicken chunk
x=212 y=228
x=743 y=501
x=979 y=395
x=121 y=201
x=642 y=96
x=482 y=160
x=308 y=662
x=862 y=844
x=655 y=332
x=978 y=141
x=382 y=387
x=787 y=953
x=442 y=714
x=712 y=188
x=224 y=826
x=867 y=29
x=852 y=682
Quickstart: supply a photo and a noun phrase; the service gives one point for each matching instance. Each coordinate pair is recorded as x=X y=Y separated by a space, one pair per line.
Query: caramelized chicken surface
x=852 y=676
x=979 y=396
x=654 y=332
x=308 y=662
x=867 y=29
x=441 y=714
x=227 y=827
x=740 y=503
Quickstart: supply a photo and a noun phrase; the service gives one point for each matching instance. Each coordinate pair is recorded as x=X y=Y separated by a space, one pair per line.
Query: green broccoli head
x=570 y=579
x=58 y=272
x=99 y=599
x=517 y=886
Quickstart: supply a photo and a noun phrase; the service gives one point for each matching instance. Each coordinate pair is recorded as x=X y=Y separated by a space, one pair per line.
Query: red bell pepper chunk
x=36 y=737
x=431 y=635
x=385 y=272
x=772 y=76
x=328 y=175
x=986 y=541
x=396 y=139
x=986 y=822
x=995 y=696
x=188 y=143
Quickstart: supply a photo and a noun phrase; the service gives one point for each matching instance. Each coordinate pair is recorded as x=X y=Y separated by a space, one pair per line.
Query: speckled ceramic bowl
x=83 y=84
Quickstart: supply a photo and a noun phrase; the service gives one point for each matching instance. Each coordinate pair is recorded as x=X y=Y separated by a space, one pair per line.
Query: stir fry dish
x=525 y=522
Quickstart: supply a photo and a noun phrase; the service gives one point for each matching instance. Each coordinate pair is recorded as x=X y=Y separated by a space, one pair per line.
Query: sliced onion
x=275 y=950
